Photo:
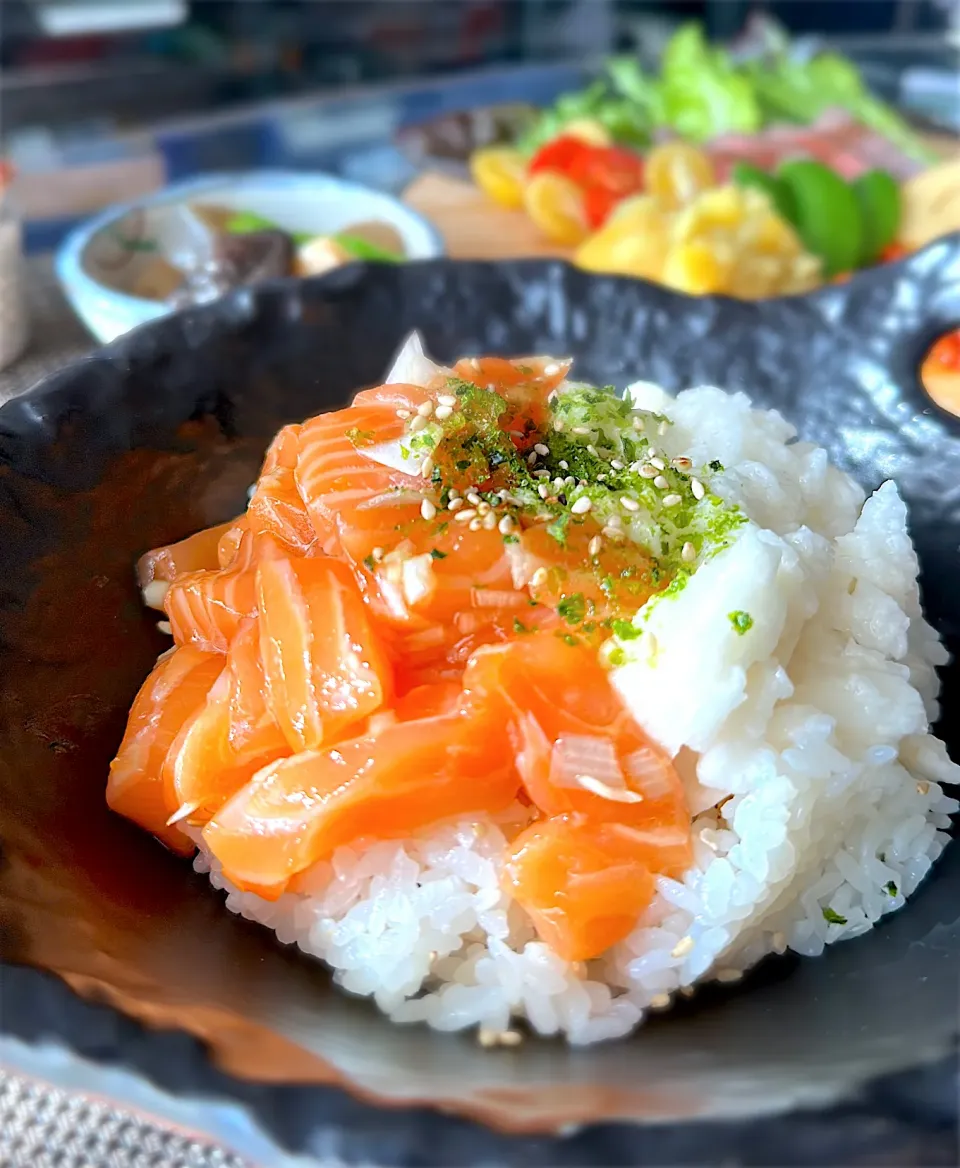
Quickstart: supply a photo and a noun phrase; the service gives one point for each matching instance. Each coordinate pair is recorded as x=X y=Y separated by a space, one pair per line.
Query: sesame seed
x=532 y=457
x=558 y=484
x=447 y=399
x=426 y=467
x=602 y=477
x=648 y=472
x=417 y=424
x=659 y=1001
x=539 y=577
x=427 y=509
x=569 y=480
x=697 y=488
x=682 y=947
x=629 y=504
x=614 y=521
x=483 y=508
x=455 y=504
x=591 y=449
x=543 y=491
x=614 y=533
x=541 y=449
x=453 y=493
x=662 y=428
x=465 y=516
x=516 y=433
x=558 y=425
x=541 y=474
x=505 y=526
x=564 y=465
x=443 y=412
x=688 y=553
x=490 y=520
x=681 y=463
x=658 y=463
x=475 y=524
x=165 y=627
x=582 y=505
x=473 y=497
x=377 y=554
x=671 y=500
x=404 y=414
x=616 y=464
x=426 y=409
x=580 y=430
x=594 y=546
x=660 y=482
x=638 y=423
x=729 y=974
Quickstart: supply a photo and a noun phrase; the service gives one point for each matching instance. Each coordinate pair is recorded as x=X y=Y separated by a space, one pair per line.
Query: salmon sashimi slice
x=525 y=384
x=579 y=751
x=228 y=739
x=324 y=666
x=174 y=691
x=284 y=450
x=161 y=566
x=277 y=509
x=207 y=608
x=581 y=887
x=388 y=786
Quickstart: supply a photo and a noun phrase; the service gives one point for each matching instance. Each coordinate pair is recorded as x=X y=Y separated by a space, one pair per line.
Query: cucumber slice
x=880 y=206
x=827 y=214
x=745 y=174
x=363 y=249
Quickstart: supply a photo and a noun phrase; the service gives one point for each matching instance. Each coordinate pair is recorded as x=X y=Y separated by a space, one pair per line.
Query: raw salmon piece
x=174 y=691
x=229 y=545
x=206 y=608
x=582 y=889
x=347 y=492
x=389 y=786
x=284 y=450
x=567 y=724
x=163 y=565
x=525 y=383
x=325 y=668
x=228 y=739
x=276 y=509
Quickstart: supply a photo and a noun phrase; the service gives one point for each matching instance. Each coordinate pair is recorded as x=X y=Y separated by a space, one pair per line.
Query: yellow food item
x=676 y=172
x=501 y=174
x=588 y=130
x=725 y=240
x=555 y=204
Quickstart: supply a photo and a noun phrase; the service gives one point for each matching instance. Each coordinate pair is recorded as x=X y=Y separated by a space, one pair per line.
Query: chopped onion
x=648 y=771
x=154 y=592
x=655 y=837
x=497 y=598
x=580 y=760
x=419 y=581
x=425 y=639
x=412 y=366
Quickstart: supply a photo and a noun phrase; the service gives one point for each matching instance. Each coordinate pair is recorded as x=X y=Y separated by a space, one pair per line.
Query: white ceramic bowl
x=101 y=262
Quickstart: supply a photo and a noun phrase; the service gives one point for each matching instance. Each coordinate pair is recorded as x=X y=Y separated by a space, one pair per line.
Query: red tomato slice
x=597 y=204
x=618 y=171
x=558 y=155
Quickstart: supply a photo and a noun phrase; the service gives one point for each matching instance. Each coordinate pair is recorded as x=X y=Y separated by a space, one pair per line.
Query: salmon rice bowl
x=515 y=700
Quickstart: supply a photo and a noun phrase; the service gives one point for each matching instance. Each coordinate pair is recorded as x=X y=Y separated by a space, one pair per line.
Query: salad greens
x=701 y=93
x=245 y=222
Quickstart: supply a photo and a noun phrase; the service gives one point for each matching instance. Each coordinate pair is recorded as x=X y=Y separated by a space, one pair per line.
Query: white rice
x=812 y=730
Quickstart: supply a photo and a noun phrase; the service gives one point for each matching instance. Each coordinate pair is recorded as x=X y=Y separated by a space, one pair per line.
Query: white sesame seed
x=602 y=477
x=425 y=409
x=427 y=509
x=465 y=516
x=453 y=493
x=591 y=449
x=539 y=577
x=729 y=975
x=682 y=947
x=635 y=466
x=648 y=471
x=697 y=488
x=543 y=491
x=614 y=533
x=569 y=481
x=473 y=497
x=455 y=504
x=490 y=520
x=532 y=457
x=662 y=428
x=426 y=467
x=629 y=504
x=542 y=450
x=483 y=508
x=505 y=526
x=541 y=474
x=659 y=1001
x=558 y=425
x=417 y=424
x=638 y=423
x=516 y=433
x=688 y=553
x=616 y=464
x=447 y=399
x=658 y=463
x=582 y=505
x=681 y=463
x=564 y=465
x=614 y=521
x=442 y=413
x=580 y=430
x=661 y=483
x=403 y=414
x=671 y=500
x=475 y=524
x=558 y=484
x=594 y=546
x=165 y=627
x=377 y=554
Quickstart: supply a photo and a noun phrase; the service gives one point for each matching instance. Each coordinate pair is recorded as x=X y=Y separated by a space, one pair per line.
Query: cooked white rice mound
x=804 y=743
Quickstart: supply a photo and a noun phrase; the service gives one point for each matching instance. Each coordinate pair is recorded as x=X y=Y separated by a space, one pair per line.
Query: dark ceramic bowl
x=849 y=1058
